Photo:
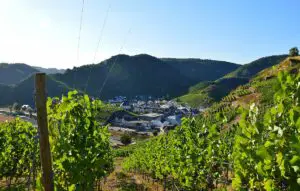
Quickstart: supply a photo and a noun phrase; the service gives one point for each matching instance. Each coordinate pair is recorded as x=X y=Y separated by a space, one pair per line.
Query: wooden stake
x=45 y=154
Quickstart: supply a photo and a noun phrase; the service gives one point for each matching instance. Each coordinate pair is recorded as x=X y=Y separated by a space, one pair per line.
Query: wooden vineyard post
x=45 y=154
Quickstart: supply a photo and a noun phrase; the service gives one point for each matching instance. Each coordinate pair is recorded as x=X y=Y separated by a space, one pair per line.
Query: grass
x=195 y=99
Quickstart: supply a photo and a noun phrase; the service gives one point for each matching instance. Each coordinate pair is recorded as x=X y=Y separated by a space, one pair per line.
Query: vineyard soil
x=120 y=180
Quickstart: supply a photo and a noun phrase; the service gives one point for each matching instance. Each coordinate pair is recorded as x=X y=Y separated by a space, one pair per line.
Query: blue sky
x=45 y=32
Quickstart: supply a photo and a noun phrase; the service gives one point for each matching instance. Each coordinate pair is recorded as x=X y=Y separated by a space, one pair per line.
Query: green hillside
x=251 y=69
x=205 y=95
x=15 y=73
x=248 y=141
x=260 y=89
x=23 y=92
x=201 y=69
x=143 y=75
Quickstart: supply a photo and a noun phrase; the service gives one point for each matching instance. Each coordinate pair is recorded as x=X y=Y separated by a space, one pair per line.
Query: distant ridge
x=14 y=73
x=23 y=92
x=49 y=70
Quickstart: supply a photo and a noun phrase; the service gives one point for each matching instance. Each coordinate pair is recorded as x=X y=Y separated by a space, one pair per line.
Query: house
x=151 y=116
x=125 y=105
x=139 y=124
x=138 y=109
x=26 y=108
x=174 y=120
x=183 y=110
x=117 y=100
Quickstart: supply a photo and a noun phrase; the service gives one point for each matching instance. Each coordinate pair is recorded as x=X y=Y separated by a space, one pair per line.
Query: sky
x=46 y=32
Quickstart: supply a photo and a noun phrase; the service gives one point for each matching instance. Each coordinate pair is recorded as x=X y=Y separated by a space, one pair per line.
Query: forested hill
x=23 y=92
x=205 y=93
x=201 y=69
x=251 y=69
x=143 y=75
x=15 y=73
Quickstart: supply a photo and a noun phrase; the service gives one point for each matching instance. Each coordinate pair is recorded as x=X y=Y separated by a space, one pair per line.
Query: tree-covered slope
x=215 y=91
x=143 y=75
x=251 y=69
x=15 y=73
x=201 y=69
x=23 y=92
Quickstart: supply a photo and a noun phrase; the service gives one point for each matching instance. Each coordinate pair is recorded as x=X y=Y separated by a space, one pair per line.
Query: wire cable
x=79 y=37
x=107 y=76
x=98 y=44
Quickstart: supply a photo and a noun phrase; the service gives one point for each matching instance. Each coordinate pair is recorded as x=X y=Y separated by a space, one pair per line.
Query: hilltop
x=23 y=92
x=143 y=75
x=206 y=93
x=50 y=70
x=14 y=73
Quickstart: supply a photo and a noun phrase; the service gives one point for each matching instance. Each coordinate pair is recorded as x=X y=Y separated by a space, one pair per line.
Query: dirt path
x=120 y=180
x=4 y=118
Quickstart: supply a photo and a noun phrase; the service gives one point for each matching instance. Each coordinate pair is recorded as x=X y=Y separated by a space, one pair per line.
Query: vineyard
x=261 y=151
x=80 y=147
x=254 y=154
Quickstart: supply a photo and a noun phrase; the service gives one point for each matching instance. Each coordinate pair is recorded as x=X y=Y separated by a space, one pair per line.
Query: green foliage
x=19 y=154
x=267 y=90
x=195 y=99
x=294 y=51
x=199 y=86
x=266 y=151
x=205 y=93
x=129 y=149
x=126 y=139
x=80 y=146
x=262 y=153
x=16 y=106
x=191 y=154
x=211 y=92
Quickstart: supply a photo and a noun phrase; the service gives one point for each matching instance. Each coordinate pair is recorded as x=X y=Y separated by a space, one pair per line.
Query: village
x=148 y=115
x=141 y=116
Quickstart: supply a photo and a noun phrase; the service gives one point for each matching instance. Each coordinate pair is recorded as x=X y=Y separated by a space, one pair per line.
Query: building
x=151 y=116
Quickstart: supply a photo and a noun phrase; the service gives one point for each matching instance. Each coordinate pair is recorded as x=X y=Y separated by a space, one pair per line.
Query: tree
x=294 y=51
x=10 y=108
x=126 y=139
x=16 y=106
x=155 y=132
x=30 y=110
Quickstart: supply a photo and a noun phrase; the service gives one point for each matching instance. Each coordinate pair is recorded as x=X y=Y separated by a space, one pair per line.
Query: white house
x=125 y=105
x=174 y=120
